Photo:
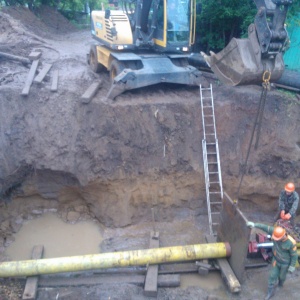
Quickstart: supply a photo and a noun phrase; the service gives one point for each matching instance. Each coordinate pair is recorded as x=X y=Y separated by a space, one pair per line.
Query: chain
x=266 y=87
x=257 y=124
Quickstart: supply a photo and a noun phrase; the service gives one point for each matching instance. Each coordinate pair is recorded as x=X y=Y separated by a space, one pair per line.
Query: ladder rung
x=208 y=116
x=213 y=172
x=207 y=106
x=215 y=192
x=210 y=144
x=213 y=163
x=209 y=134
x=215 y=213
x=216 y=203
x=214 y=182
x=214 y=224
x=205 y=89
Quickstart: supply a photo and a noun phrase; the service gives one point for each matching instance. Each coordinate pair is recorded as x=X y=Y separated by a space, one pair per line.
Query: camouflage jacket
x=285 y=252
x=289 y=203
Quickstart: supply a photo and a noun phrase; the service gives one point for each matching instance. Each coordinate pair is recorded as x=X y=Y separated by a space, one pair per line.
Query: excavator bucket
x=242 y=62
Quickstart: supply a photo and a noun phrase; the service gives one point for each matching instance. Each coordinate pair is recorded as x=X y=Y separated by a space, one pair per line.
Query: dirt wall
x=141 y=150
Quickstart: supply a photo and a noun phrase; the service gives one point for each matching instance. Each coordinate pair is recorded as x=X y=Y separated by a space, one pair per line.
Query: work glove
x=291 y=269
x=282 y=213
x=250 y=224
x=288 y=216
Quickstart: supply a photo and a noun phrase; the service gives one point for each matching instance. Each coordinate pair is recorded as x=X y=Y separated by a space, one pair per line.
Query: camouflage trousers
x=277 y=272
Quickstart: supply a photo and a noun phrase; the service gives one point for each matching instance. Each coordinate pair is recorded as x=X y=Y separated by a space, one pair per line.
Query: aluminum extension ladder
x=211 y=160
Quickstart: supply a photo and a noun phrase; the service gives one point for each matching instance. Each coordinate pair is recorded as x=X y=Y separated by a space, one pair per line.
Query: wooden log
x=21 y=59
x=226 y=271
x=54 y=83
x=30 y=77
x=32 y=282
x=39 y=78
x=171 y=280
x=150 y=287
x=91 y=92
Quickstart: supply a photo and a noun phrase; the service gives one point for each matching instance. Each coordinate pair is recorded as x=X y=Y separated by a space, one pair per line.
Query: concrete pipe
x=115 y=259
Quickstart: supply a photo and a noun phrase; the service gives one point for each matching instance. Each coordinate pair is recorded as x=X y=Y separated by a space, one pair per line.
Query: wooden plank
x=226 y=271
x=171 y=280
x=150 y=287
x=91 y=91
x=54 y=84
x=34 y=55
x=30 y=77
x=39 y=78
x=32 y=281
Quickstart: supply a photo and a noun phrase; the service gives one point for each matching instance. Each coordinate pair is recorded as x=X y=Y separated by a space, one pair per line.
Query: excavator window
x=173 y=21
x=160 y=21
x=177 y=21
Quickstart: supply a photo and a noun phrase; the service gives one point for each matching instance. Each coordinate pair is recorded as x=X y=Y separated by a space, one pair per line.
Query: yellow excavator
x=145 y=42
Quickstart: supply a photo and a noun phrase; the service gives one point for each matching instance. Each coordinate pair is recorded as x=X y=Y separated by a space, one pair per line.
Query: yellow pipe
x=115 y=259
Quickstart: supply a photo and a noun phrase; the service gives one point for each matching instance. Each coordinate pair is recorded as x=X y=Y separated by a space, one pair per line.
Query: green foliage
x=294 y=11
x=221 y=20
x=68 y=5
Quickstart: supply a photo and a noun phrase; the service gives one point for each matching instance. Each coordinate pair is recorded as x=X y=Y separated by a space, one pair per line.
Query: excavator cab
x=245 y=61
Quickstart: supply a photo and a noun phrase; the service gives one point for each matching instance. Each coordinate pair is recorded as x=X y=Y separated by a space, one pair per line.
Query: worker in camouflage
x=288 y=203
x=284 y=255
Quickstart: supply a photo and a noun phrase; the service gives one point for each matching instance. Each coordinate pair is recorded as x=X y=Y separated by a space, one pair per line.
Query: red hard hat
x=278 y=233
x=289 y=187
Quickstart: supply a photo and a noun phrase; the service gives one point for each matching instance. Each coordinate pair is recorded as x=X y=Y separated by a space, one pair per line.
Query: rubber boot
x=271 y=292
x=280 y=283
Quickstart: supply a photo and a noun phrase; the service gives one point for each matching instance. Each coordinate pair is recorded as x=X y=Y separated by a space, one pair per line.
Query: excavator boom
x=245 y=61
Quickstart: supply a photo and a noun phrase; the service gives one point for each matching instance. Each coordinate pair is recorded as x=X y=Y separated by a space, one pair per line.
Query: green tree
x=71 y=5
x=221 y=20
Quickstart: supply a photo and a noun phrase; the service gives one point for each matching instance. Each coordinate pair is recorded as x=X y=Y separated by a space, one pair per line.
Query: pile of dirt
x=46 y=20
x=21 y=29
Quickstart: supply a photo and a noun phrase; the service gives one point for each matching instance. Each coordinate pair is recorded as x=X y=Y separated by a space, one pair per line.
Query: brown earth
x=106 y=160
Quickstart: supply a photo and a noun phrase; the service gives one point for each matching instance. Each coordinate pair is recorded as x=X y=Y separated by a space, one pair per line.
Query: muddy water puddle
x=213 y=283
x=59 y=238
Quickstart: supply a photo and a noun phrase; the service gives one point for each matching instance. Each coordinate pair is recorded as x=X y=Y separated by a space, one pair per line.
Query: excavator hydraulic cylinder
x=115 y=259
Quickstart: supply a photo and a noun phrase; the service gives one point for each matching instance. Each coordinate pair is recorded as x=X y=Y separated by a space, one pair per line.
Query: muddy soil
x=112 y=161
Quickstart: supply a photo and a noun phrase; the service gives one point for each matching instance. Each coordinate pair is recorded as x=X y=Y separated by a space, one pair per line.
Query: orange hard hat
x=278 y=233
x=289 y=187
